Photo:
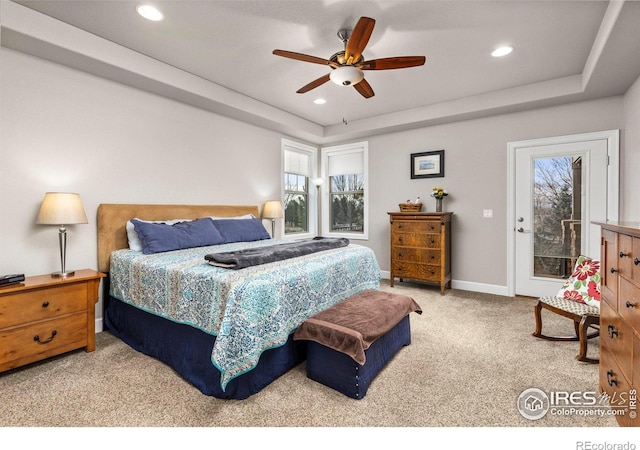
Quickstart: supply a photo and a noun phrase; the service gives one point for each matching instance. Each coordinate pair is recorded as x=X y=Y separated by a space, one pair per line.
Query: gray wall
x=630 y=157
x=61 y=129
x=64 y=130
x=476 y=178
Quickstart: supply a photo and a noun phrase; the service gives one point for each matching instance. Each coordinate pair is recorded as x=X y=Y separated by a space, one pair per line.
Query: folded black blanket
x=262 y=255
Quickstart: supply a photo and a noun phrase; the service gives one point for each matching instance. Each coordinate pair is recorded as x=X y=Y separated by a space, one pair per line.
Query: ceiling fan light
x=346 y=76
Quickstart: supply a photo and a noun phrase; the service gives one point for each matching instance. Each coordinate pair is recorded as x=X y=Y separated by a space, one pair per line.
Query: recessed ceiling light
x=319 y=101
x=150 y=12
x=502 y=51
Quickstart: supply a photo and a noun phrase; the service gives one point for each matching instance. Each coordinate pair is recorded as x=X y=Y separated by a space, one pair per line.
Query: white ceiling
x=564 y=51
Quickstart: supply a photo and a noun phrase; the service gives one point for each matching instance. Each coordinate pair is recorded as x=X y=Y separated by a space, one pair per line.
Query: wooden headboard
x=112 y=218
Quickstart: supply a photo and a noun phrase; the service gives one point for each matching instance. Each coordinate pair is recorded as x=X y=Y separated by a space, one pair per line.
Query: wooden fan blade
x=396 y=62
x=364 y=89
x=314 y=84
x=301 y=57
x=358 y=39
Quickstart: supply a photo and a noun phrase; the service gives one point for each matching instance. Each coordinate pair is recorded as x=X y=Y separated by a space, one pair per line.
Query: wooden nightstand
x=47 y=316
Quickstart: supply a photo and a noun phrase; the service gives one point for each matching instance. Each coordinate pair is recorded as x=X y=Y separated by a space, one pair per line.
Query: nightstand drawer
x=41 y=339
x=416 y=255
x=418 y=271
x=415 y=227
x=42 y=304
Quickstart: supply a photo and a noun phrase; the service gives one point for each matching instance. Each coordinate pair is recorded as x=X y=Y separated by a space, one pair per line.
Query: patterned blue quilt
x=248 y=310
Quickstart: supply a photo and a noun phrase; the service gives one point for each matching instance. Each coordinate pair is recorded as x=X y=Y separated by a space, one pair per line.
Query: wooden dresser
x=47 y=316
x=620 y=318
x=421 y=247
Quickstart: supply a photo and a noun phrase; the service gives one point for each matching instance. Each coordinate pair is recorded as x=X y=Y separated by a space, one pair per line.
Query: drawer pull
x=629 y=304
x=45 y=304
x=636 y=261
x=611 y=331
x=623 y=254
x=37 y=338
x=400 y=254
x=610 y=380
x=613 y=270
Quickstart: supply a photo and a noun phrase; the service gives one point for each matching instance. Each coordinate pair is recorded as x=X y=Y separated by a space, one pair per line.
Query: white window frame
x=326 y=153
x=312 y=152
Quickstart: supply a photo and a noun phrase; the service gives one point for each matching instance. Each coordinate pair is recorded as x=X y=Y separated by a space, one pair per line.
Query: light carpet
x=471 y=356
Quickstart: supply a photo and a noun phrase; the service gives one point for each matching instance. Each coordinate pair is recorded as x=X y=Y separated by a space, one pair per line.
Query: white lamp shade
x=61 y=208
x=346 y=75
x=272 y=210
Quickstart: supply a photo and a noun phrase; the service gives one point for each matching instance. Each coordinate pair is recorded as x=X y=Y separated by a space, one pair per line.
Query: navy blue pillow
x=241 y=230
x=161 y=237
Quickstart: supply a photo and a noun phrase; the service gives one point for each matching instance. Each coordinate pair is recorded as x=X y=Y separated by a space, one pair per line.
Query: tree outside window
x=296 y=201
x=347 y=203
x=557 y=215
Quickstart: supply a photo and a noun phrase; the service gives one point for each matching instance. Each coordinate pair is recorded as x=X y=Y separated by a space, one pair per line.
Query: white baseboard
x=480 y=287
x=467 y=285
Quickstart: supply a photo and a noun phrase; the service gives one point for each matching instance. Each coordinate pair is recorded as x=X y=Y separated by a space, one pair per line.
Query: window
x=299 y=201
x=345 y=211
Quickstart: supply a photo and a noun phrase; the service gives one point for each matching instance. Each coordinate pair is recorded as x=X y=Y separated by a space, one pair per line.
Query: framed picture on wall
x=427 y=164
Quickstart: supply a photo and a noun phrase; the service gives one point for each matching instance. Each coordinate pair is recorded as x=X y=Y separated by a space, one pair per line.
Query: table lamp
x=61 y=208
x=272 y=210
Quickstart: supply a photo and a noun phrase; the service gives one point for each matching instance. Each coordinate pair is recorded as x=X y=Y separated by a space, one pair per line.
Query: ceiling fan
x=347 y=65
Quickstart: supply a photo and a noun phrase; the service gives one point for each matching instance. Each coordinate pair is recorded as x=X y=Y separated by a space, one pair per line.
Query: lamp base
x=66 y=273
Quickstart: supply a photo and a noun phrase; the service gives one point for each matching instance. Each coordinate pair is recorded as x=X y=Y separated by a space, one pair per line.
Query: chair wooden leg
x=585 y=323
x=538 y=333
x=537 y=313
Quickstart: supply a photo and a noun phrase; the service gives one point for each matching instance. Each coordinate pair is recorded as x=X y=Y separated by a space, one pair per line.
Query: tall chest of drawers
x=421 y=247
x=620 y=318
x=46 y=316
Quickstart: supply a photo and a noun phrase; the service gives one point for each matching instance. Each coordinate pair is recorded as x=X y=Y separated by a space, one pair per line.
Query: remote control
x=11 y=279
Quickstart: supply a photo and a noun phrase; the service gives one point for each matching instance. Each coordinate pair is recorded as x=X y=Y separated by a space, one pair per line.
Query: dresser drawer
x=41 y=304
x=629 y=255
x=617 y=338
x=629 y=303
x=416 y=255
x=48 y=337
x=415 y=227
x=619 y=392
x=423 y=272
x=610 y=267
x=416 y=240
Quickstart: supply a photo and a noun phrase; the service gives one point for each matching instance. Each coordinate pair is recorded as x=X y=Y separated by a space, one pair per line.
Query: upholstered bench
x=353 y=340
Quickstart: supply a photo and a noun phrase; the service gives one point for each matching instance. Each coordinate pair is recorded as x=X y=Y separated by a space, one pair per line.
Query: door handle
x=522 y=230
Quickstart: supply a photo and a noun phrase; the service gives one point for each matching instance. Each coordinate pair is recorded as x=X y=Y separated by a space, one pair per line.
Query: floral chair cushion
x=583 y=286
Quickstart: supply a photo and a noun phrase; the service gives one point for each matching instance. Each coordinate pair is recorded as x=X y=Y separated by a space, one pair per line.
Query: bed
x=228 y=332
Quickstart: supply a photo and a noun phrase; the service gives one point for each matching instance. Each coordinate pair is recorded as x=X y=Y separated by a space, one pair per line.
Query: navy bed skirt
x=340 y=372
x=188 y=351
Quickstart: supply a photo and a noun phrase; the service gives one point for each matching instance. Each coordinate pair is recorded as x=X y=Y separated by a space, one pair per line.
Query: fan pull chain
x=344 y=113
